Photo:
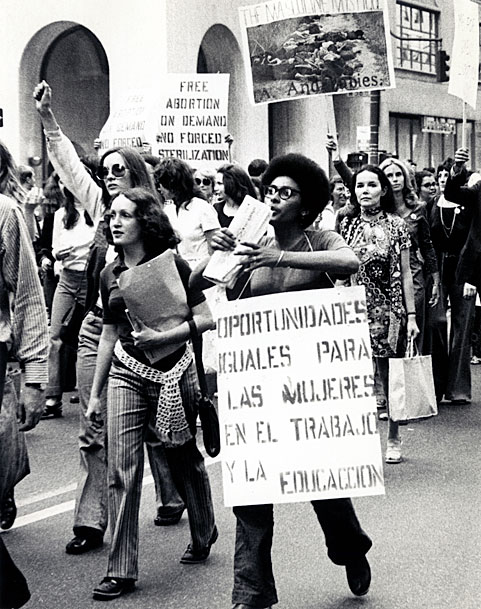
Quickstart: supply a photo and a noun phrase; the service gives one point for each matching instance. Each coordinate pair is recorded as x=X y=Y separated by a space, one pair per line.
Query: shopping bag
x=411 y=387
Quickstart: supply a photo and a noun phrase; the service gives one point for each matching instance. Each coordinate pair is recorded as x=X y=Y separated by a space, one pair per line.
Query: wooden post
x=374 y=127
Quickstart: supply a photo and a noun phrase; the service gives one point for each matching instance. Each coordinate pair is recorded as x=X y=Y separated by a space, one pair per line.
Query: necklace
x=448 y=231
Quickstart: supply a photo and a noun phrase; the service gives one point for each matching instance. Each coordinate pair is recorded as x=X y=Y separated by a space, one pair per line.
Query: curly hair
x=155 y=228
x=9 y=180
x=387 y=199
x=409 y=189
x=178 y=177
x=237 y=183
x=310 y=178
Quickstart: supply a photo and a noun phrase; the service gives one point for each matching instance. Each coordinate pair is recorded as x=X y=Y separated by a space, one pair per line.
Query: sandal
x=393 y=451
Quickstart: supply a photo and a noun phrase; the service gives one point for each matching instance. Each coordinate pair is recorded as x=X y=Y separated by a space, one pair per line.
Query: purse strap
x=199 y=364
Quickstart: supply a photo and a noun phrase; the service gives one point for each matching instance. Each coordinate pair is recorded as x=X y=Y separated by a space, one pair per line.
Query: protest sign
x=131 y=121
x=298 y=49
x=192 y=119
x=463 y=73
x=297 y=414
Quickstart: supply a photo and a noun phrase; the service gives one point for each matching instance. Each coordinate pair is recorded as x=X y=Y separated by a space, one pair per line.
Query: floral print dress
x=378 y=244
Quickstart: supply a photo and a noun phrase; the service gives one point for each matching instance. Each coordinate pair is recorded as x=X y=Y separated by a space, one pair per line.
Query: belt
x=97 y=311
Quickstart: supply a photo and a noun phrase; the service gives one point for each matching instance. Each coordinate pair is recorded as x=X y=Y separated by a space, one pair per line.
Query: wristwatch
x=39 y=386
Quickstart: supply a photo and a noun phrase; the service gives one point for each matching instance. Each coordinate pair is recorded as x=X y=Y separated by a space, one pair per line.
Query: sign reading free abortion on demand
x=296 y=405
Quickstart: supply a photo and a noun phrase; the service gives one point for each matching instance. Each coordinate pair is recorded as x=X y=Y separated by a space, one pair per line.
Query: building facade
x=91 y=50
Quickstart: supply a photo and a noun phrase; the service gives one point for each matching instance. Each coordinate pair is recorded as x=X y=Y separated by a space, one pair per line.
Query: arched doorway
x=72 y=60
x=220 y=52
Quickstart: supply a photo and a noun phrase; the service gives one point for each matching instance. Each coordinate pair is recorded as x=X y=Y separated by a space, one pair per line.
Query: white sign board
x=131 y=122
x=185 y=118
x=314 y=47
x=192 y=119
x=464 y=69
x=297 y=413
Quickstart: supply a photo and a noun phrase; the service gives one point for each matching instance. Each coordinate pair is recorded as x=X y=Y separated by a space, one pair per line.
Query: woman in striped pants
x=139 y=391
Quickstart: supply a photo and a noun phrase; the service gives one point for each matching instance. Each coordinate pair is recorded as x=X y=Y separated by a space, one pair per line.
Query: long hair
x=139 y=176
x=387 y=199
x=9 y=180
x=310 y=178
x=178 y=177
x=237 y=183
x=409 y=189
x=156 y=230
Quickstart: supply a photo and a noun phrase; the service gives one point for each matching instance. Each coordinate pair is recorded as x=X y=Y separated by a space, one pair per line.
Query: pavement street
x=426 y=531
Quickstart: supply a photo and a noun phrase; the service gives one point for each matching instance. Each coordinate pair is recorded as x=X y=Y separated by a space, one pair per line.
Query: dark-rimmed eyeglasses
x=117 y=170
x=284 y=192
x=203 y=181
x=429 y=185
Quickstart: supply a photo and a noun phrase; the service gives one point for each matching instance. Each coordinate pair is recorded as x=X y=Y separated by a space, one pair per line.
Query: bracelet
x=411 y=312
x=281 y=256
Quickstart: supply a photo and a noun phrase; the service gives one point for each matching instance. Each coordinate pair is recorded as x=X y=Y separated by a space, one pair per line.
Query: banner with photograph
x=192 y=119
x=298 y=49
x=297 y=413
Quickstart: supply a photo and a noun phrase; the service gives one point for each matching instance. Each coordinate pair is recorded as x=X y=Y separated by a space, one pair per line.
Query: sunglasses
x=118 y=171
x=204 y=181
x=284 y=192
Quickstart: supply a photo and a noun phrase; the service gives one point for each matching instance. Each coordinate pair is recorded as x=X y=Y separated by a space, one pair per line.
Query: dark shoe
x=242 y=606
x=75 y=399
x=193 y=557
x=165 y=521
x=113 y=587
x=358 y=574
x=8 y=512
x=52 y=411
x=84 y=542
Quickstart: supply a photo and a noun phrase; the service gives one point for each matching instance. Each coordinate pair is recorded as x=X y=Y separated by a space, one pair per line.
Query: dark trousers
x=253 y=576
x=451 y=353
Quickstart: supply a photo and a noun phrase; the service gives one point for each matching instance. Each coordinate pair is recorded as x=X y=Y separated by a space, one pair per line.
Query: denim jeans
x=72 y=284
x=253 y=576
x=91 y=501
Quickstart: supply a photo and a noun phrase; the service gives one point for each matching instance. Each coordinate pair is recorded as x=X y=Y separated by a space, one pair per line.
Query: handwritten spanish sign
x=296 y=407
x=192 y=119
x=298 y=49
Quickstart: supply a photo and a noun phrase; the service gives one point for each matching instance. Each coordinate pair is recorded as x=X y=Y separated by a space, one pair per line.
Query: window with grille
x=422 y=25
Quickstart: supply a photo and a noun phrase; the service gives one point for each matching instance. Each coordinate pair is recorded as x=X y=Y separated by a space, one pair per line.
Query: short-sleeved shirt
x=114 y=309
x=267 y=280
x=191 y=221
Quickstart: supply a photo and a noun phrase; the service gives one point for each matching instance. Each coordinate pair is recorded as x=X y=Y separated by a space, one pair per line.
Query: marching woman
x=293 y=258
x=139 y=392
x=381 y=241
x=423 y=262
x=119 y=169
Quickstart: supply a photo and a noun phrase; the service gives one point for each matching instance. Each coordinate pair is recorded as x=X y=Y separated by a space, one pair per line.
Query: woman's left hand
x=145 y=337
x=254 y=256
x=433 y=301
x=412 y=327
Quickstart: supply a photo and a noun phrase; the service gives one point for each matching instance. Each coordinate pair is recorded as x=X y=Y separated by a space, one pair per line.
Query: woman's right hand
x=94 y=412
x=43 y=96
x=223 y=240
x=46 y=264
